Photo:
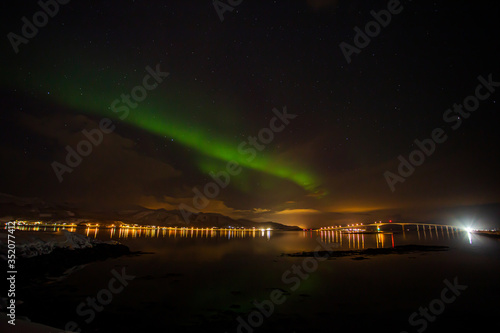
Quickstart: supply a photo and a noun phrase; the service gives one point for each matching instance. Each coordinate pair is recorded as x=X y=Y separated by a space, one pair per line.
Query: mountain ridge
x=35 y=209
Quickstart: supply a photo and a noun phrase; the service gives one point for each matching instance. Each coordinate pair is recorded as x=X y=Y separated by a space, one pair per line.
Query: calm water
x=342 y=241
x=204 y=280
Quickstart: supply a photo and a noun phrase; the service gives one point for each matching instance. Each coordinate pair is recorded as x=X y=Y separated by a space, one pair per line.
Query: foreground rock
x=46 y=257
x=53 y=255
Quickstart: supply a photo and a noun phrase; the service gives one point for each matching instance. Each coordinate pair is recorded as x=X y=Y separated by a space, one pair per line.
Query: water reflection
x=362 y=240
x=44 y=228
x=342 y=239
x=124 y=233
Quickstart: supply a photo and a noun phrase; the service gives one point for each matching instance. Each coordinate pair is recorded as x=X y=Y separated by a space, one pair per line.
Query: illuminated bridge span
x=376 y=226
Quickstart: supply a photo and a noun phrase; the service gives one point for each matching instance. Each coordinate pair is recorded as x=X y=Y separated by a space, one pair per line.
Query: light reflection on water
x=124 y=233
x=389 y=239
x=342 y=240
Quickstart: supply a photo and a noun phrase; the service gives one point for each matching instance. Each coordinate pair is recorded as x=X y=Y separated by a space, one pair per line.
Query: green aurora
x=164 y=116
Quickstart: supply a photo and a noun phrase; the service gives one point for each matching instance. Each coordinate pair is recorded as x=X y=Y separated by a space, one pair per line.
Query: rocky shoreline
x=60 y=260
x=55 y=256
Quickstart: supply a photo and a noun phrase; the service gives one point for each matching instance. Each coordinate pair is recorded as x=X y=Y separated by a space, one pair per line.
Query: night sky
x=225 y=78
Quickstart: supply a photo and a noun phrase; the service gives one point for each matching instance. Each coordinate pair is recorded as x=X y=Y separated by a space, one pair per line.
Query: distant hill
x=34 y=209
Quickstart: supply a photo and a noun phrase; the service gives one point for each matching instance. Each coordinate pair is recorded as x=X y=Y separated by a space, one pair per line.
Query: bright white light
x=468 y=229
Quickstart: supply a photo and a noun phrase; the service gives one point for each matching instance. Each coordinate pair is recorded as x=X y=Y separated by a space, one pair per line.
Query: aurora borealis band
x=161 y=117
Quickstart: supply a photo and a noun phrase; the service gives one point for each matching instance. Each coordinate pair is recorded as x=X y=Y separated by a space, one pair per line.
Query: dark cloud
x=115 y=173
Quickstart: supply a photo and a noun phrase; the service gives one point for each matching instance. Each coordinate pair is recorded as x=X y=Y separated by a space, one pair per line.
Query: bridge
x=359 y=227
